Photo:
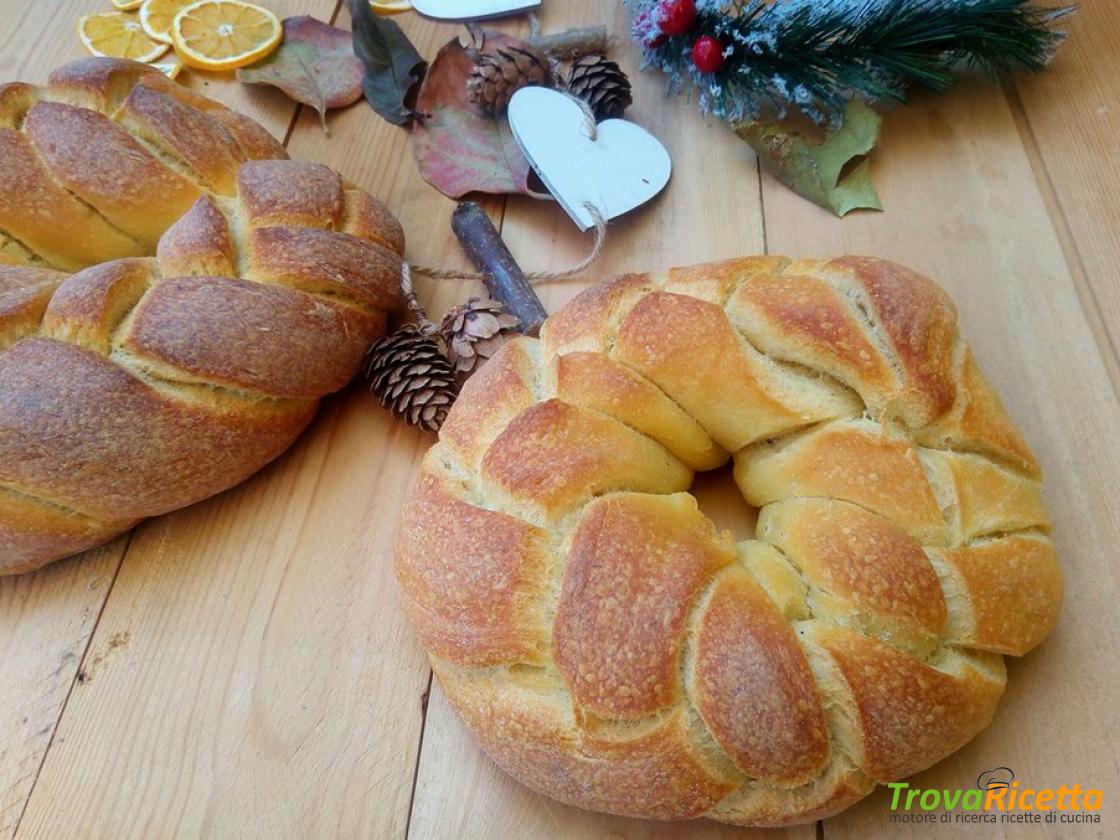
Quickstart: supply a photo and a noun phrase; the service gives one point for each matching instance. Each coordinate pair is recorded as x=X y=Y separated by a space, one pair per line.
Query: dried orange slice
x=170 y=66
x=390 y=7
x=156 y=16
x=224 y=34
x=126 y=5
x=118 y=35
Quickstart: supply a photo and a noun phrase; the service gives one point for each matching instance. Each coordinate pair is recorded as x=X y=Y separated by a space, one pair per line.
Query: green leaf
x=392 y=64
x=315 y=65
x=813 y=170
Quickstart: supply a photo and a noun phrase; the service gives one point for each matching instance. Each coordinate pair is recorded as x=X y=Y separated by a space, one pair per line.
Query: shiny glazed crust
x=610 y=648
x=220 y=291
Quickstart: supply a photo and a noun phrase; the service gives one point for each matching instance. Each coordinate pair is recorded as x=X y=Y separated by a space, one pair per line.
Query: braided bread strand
x=610 y=648
x=105 y=157
x=142 y=384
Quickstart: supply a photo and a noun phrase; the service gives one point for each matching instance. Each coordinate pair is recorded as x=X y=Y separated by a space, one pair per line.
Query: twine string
x=427 y=325
x=438 y=273
x=590 y=128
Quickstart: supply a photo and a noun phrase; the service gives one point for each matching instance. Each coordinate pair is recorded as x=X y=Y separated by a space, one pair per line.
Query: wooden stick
x=559 y=46
x=504 y=278
x=573 y=43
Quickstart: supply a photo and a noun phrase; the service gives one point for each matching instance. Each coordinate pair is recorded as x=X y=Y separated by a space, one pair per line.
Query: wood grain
x=1072 y=117
x=45 y=624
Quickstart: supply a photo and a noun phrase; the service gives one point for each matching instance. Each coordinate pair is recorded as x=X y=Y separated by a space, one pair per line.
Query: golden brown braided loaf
x=146 y=383
x=611 y=649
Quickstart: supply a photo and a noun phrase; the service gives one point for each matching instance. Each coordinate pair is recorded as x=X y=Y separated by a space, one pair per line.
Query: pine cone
x=411 y=377
x=600 y=83
x=473 y=331
x=497 y=76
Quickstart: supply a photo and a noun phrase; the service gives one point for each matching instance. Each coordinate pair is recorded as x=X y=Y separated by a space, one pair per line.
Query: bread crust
x=611 y=649
x=220 y=291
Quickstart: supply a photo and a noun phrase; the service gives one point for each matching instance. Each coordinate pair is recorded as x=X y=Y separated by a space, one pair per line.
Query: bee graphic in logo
x=996 y=779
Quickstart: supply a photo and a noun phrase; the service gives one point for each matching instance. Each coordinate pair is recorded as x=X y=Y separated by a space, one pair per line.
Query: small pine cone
x=473 y=331
x=497 y=76
x=411 y=377
x=600 y=83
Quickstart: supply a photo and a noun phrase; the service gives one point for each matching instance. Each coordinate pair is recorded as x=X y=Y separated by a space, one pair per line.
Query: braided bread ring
x=611 y=649
x=143 y=383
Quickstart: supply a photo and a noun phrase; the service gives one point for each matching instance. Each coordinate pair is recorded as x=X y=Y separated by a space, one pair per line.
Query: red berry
x=676 y=17
x=707 y=54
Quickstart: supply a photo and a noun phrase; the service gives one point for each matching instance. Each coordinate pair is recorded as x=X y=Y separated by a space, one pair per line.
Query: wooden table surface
x=242 y=668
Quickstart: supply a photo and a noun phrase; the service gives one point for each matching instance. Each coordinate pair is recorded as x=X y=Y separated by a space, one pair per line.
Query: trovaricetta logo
x=997 y=798
x=1000 y=777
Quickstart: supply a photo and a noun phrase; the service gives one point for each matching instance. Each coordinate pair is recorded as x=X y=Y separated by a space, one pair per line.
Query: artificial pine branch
x=816 y=55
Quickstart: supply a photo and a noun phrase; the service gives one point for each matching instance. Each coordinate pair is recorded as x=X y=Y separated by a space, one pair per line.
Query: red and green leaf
x=315 y=65
x=459 y=149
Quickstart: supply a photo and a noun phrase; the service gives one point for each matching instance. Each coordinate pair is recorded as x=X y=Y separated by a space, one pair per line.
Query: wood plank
x=37 y=37
x=46 y=618
x=1072 y=114
x=247 y=675
x=710 y=210
x=45 y=624
x=254 y=675
x=962 y=205
x=460 y=793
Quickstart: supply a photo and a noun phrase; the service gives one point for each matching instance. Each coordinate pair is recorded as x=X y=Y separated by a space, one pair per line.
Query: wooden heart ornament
x=612 y=167
x=471 y=9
